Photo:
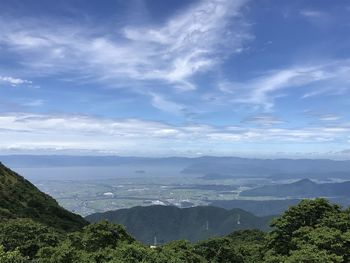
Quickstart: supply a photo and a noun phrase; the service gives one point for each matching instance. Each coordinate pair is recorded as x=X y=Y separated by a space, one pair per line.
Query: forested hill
x=304 y=188
x=21 y=199
x=170 y=223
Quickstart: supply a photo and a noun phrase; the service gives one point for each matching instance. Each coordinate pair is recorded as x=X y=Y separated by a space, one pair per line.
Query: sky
x=267 y=78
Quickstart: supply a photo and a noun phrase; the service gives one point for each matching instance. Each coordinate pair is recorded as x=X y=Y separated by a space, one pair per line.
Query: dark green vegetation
x=302 y=188
x=314 y=231
x=20 y=199
x=169 y=223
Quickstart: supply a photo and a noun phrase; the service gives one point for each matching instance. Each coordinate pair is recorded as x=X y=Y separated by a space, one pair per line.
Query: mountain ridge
x=301 y=188
x=170 y=223
x=21 y=199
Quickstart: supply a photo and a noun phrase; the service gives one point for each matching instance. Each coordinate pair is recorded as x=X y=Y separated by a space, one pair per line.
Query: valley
x=95 y=184
x=86 y=197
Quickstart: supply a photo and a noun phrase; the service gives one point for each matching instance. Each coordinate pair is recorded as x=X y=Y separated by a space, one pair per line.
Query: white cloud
x=196 y=40
x=163 y=104
x=320 y=116
x=312 y=13
x=332 y=78
x=266 y=120
x=318 y=18
x=14 y=81
x=126 y=136
x=329 y=117
x=191 y=42
x=33 y=103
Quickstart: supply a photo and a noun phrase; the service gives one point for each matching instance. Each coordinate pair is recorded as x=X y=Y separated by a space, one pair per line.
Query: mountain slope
x=21 y=199
x=257 y=207
x=169 y=223
x=302 y=188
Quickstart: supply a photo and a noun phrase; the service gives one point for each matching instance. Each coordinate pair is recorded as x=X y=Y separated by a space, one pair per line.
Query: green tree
x=181 y=251
x=100 y=235
x=312 y=231
x=11 y=256
x=239 y=246
x=26 y=236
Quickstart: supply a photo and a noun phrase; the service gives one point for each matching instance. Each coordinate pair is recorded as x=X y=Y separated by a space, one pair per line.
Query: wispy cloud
x=329 y=117
x=194 y=41
x=14 y=81
x=312 y=13
x=37 y=131
x=319 y=18
x=161 y=103
x=33 y=103
x=331 y=78
x=323 y=117
x=266 y=120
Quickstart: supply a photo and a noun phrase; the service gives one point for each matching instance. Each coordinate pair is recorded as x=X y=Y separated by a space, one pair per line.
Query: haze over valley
x=90 y=184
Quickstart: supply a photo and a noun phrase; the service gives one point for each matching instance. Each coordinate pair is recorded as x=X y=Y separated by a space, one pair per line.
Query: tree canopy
x=312 y=231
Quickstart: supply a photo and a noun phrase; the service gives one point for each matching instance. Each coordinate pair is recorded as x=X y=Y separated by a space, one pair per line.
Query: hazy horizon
x=311 y=156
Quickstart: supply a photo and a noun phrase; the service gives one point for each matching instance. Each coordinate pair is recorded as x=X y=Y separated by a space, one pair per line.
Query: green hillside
x=169 y=223
x=314 y=231
x=21 y=199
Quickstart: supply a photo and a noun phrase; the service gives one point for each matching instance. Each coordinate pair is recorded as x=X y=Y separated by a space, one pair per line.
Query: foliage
x=21 y=199
x=172 y=223
x=313 y=231
x=240 y=246
x=11 y=257
x=26 y=236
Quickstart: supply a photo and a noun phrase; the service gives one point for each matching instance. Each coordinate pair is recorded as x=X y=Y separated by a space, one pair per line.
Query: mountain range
x=223 y=167
x=168 y=223
x=302 y=188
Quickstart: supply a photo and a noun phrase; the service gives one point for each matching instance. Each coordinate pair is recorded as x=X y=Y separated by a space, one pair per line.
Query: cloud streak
x=266 y=120
x=192 y=42
x=34 y=131
x=329 y=78
x=14 y=81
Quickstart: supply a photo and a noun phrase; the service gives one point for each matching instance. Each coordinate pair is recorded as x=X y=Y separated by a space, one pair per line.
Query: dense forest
x=35 y=229
x=169 y=223
x=312 y=231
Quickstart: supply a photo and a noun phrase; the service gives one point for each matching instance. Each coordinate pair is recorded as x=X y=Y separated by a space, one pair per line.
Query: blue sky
x=262 y=78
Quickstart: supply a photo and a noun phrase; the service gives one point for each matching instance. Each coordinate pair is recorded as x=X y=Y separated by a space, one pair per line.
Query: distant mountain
x=266 y=167
x=169 y=223
x=87 y=161
x=302 y=188
x=345 y=175
x=216 y=176
x=258 y=207
x=270 y=207
x=21 y=199
x=209 y=166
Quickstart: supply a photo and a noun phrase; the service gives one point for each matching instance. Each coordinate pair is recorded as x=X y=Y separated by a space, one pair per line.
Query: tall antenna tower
x=155 y=241
x=238 y=219
x=207 y=225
